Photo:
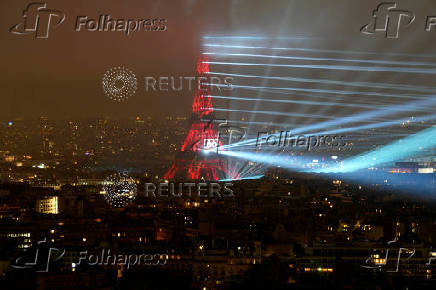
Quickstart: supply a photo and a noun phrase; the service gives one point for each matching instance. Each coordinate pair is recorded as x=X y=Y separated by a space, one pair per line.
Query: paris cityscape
x=205 y=145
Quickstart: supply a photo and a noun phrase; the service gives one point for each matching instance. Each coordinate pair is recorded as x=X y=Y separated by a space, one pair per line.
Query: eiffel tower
x=191 y=163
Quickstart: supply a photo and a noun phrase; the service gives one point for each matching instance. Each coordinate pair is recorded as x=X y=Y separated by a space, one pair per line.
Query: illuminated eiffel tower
x=191 y=163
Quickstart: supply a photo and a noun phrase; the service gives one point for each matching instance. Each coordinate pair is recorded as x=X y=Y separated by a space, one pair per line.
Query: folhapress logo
x=386 y=19
x=37 y=19
x=44 y=255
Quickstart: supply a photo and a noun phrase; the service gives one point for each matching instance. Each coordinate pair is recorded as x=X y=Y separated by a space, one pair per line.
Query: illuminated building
x=48 y=205
x=202 y=137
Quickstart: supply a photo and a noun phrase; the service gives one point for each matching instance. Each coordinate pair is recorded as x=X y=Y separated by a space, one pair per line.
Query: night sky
x=60 y=77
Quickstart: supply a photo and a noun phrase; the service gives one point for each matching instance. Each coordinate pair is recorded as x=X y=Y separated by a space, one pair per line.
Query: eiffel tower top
x=202 y=105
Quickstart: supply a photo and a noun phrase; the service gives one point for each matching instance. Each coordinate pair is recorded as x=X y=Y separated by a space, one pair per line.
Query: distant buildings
x=47 y=205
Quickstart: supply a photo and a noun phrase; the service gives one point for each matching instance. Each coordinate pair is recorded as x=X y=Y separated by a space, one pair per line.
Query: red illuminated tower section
x=191 y=163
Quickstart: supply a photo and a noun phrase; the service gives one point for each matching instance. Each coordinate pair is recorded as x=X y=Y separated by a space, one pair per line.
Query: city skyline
x=217 y=145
